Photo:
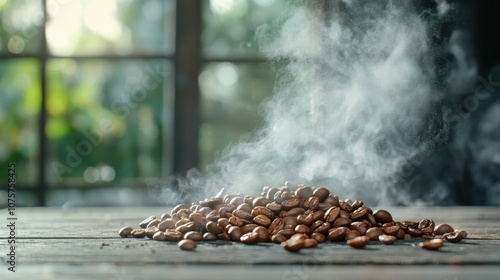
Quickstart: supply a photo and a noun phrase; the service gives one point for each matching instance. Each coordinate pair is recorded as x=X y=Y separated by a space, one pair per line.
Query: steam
x=353 y=103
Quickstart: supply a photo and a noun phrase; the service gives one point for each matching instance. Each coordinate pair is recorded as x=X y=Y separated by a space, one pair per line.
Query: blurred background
x=100 y=101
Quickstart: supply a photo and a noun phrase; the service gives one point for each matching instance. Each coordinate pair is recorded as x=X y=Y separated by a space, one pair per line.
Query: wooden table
x=83 y=243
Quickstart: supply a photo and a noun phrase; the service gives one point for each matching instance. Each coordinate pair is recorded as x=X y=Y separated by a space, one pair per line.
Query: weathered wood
x=82 y=243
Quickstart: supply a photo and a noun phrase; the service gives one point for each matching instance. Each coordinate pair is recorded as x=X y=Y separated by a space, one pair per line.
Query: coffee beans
x=296 y=216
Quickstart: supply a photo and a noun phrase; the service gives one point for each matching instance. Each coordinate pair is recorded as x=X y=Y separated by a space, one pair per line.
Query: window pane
x=230 y=25
x=108 y=121
x=121 y=27
x=21 y=23
x=230 y=98
x=19 y=110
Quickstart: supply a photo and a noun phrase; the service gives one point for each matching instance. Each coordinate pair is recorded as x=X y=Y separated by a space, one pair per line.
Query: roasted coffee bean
x=248 y=228
x=146 y=221
x=321 y=193
x=319 y=237
x=303 y=229
x=236 y=221
x=208 y=236
x=432 y=244
x=287 y=232
x=278 y=238
x=263 y=233
x=250 y=238
x=173 y=235
x=222 y=223
x=271 y=192
x=262 y=220
x=362 y=227
x=333 y=200
x=295 y=211
x=332 y=214
x=356 y=205
x=166 y=224
x=236 y=201
x=211 y=202
x=212 y=227
x=344 y=214
x=290 y=203
x=391 y=230
x=371 y=219
x=195 y=217
x=223 y=236
x=187 y=244
x=318 y=215
x=387 y=239
x=245 y=207
x=303 y=192
x=324 y=206
x=442 y=229
x=415 y=232
x=179 y=207
x=307 y=220
x=165 y=216
x=342 y=222
x=346 y=206
x=159 y=236
x=359 y=214
x=193 y=235
x=150 y=231
x=382 y=216
x=410 y=224
x=275 y=207
x=293 y=245
x=350 y=234
x=181 y=222
x=358 y=242
x=426 y=223
x=337 y=234
x=194 y=207
x=260 y=201
x=455 y=236
x=206 y=210
x=374 y=232
x=138 y=233
x=311 y=203
x=401 y=234
x=323 y=228
x=184 y=213
x=290 y=222
x=428 y=230
x=242 y=214
x=316 y=224
x=276 y=226
x=261 y=210
x=235 y=233
x=248 y=199
x=125 y=232
x=310 y=243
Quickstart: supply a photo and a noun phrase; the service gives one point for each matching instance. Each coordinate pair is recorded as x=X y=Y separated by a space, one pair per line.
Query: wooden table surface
x=83 y=243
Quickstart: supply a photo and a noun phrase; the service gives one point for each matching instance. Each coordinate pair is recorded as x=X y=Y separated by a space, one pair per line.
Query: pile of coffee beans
x=297 y=217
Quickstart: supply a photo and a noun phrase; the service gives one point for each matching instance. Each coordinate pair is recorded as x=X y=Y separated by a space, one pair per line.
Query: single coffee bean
x=242 y=214
x=236 y=221
x=342 y=222
x=212 y=227
x=275 y=207
x=356 y=205
x=245 y=207
x=321 y=193
x=288 y=232
x=293 y=245
x=332 y=214
x=310 y=243
x=235 y=233
x=184 y=213
x=165 y=216
x=316 y=224
x=401 y=234
x=382 y=216
x=442 y=229
x=359 y=214
x=323 y=228
x=206 y=210
x=262 y=220
x=187 y=244
x=186 y=227
x=276 y=225
x=223 y=236
x=344 y=214
x=427 y=231
x=166 y=224
x=214 y=215
x=263 y=233
x=324 y=206
x=415 y=232
x=271 y=192
x=236 y=201
x=290 y=222
x=248 y=199
x=248 y=228
x=181 y=222
x=193 y=235
x=146 y=221
x=455 y=236
x=371 y=219
x=261 y=210
x=319 y=237
x=362 y=227
x=350 y=234
x=194 y=207
x=303 y=229
x=159 y=236
x=391 y=230
x=358 y=242
x=311 y=203
x=432 y=244
x=333 y=200
x=150 y=231
x=208 y=236
x=346 y=206
x=426 y=223
x=319 y=214
x=290 y=203
x=387 y=239
x=410 y=224
x=222 y=222
x=250 y=238
x=374 y=233
x=179 y=207
x=295 y=211
x=211 y=202
x=303 y=192
x=173 y=235
x=138 y=233
x=260 y=201
x=307 y=220
x=278 y=238
x=125 y=232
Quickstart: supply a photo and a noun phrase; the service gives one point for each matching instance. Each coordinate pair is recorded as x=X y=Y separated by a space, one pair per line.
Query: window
x=93 y=100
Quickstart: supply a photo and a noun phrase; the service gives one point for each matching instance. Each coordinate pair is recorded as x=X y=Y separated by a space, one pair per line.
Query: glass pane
x=21 y=26
x=230 y=25
x=87 y=27
x=108 y=121
x=230 y=98
x=19 y=111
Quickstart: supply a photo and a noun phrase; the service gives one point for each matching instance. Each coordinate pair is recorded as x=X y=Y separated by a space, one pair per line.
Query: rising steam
x=353 y=103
